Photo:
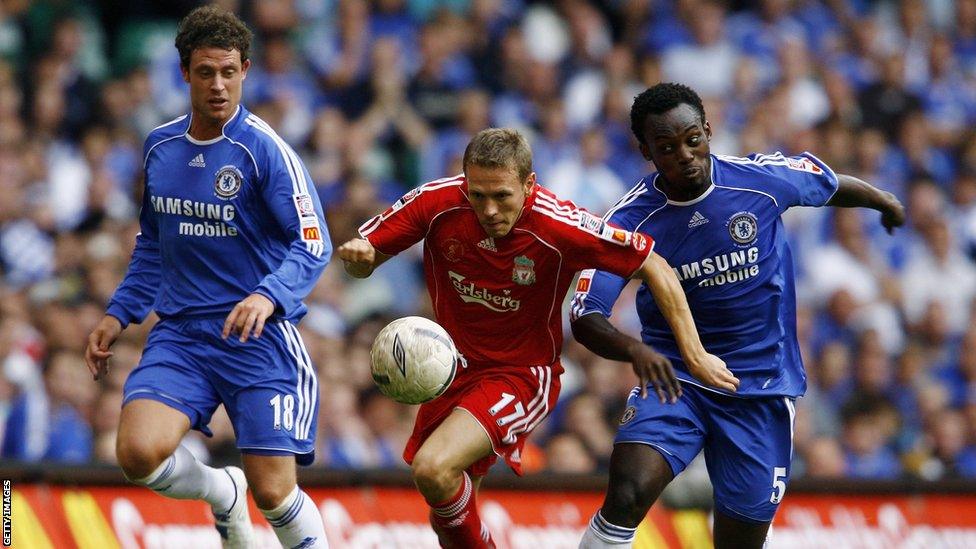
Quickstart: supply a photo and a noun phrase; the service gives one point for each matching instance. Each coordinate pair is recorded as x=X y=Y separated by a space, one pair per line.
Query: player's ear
x=645 y=151
x=185 y=71
x=244 y=66
x=529 y=184
x=708 y=130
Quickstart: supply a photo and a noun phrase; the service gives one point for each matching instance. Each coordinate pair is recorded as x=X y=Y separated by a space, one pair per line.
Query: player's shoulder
x=439 y=194
x=166 y=132
x=252 y=132
x=640 y=200
x=447 y=190
x=552 y=210
x=744 y=168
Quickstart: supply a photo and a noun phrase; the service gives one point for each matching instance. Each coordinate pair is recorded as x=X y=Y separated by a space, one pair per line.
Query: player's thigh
x=454 y=445
x=675 y=431
x=169 y=382
x=270 y=389
x=149 y=429
x=506 y=404
x=731 y=533
x=748 y=453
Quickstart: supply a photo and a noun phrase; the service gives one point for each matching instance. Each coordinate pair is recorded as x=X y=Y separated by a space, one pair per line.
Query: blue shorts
x=748 y=444
x=267 y=385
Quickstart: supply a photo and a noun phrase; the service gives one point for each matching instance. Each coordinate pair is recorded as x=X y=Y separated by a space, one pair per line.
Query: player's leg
x=290 y=511
x=274 y=410
x=655 y=442
x=748 y=454
x=163 y=398
x=439 y=471
x=733 y=533
x=150 y=454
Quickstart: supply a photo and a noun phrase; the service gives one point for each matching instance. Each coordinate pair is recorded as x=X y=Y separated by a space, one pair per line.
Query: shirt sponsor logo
x=718 y=264
x=304 y=205
x=228 y=182
x=197 y=162
x=743 y=228
x=524 y=271
x=469 y=293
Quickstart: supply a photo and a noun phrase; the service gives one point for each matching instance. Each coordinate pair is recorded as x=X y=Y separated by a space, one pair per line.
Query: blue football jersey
x=728 y=248
x=222 y=219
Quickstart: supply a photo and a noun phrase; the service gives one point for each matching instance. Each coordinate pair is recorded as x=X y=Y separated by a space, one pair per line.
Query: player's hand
x=248 y=317
x=655 y=369
x=712 y=371
x=893 y=214
x=358 y=257
x=99 y=341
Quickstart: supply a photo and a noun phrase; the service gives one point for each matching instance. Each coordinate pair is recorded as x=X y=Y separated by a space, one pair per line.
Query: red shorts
x=508 y=401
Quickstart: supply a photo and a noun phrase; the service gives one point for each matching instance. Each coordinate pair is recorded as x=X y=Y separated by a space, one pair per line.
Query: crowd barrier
x=94 y=509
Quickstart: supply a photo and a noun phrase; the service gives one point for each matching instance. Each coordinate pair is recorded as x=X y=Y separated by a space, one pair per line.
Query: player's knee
x=270 y=494
x=138 y=457
x=628 y=500
x=433 y=475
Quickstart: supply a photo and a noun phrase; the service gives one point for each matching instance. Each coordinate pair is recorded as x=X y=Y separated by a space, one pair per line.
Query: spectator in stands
x=866 y=453
x=52 y=423
x=898 y=79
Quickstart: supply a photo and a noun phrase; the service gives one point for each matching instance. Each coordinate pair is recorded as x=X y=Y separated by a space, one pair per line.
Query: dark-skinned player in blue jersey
x=718 y=222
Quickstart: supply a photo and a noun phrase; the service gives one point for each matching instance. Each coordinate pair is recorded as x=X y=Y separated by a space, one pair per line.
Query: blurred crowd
x=380 y=96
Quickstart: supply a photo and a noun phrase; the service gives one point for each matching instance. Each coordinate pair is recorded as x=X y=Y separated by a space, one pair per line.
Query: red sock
x=457 y=522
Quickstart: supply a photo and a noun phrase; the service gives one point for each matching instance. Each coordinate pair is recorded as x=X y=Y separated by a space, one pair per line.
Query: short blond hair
x=499 y=148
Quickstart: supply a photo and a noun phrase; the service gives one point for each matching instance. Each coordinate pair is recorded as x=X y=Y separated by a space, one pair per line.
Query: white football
x=413 y=360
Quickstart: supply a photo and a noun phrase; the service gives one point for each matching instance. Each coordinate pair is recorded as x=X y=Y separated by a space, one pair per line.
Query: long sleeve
x=291 y=197
x=135 y=296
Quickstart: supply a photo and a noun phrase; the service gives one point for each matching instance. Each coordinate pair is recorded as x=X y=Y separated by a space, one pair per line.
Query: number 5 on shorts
x=505 y=401
x=779 y=486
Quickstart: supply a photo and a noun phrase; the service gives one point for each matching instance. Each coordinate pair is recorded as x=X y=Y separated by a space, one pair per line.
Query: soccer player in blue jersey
x=717 y=223
x=232 y=240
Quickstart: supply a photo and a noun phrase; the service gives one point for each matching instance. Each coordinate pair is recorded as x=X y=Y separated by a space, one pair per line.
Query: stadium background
x=380 y=96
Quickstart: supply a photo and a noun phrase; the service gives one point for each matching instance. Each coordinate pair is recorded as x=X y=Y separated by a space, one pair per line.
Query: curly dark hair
x=659 y=99
x=210 y=26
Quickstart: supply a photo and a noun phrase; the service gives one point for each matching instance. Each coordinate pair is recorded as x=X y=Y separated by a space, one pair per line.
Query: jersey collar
x=230 y=129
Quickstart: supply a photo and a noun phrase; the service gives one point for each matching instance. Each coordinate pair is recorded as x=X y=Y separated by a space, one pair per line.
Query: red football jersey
x=500 y=298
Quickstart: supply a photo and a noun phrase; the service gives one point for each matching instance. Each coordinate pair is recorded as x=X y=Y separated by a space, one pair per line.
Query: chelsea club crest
x=228 y=182
x=743 y=228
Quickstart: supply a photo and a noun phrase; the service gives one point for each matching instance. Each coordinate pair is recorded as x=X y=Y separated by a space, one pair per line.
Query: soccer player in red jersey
x=499 y=255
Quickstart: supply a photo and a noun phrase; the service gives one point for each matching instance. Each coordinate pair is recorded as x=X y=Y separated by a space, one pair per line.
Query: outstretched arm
x=855 y=193
x=360 y=258
x=670 y=299
x=596 y=333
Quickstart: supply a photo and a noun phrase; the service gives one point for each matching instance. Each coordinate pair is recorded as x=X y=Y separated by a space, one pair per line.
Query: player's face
x=216 y=79
x=497 y=196
x=677 y=143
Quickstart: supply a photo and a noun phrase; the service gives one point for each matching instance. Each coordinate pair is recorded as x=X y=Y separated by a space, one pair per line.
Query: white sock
x=297 y=522
x=601 y=534
x=181 y=476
